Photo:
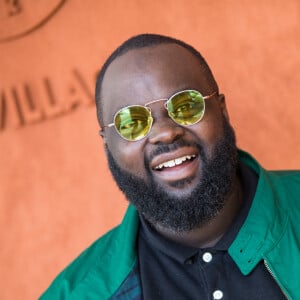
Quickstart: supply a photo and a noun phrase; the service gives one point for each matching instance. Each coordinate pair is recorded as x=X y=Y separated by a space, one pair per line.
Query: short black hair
x=141 y=41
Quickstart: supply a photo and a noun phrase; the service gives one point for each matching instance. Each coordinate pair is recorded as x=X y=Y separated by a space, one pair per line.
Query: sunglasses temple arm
x=101 y=131
x=211 y=95
x=109 y=125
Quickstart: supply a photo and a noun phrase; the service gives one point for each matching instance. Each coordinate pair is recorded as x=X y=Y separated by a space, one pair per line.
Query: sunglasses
x=185 y=108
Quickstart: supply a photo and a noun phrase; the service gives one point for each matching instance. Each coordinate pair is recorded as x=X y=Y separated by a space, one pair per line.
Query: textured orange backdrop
x=56 y=193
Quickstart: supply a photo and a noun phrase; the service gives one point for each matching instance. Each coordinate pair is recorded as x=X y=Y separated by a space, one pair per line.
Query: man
x=205 y=220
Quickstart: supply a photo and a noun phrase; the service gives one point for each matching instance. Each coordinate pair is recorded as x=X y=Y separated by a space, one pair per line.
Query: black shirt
x=170 y=270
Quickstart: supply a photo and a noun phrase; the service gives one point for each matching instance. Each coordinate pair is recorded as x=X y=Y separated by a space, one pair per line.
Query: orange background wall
x=56 y=193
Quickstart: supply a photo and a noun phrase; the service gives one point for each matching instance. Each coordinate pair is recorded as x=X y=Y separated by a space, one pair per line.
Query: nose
x=164 y=130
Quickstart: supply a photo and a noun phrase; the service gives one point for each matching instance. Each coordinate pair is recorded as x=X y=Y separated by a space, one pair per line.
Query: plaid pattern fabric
x=131 y=287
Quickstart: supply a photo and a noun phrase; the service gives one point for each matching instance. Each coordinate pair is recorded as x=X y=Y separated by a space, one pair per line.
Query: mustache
x=166 y=148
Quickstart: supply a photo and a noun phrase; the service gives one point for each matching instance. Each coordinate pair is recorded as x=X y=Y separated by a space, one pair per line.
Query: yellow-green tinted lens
x=186 y=108
x=133 y=122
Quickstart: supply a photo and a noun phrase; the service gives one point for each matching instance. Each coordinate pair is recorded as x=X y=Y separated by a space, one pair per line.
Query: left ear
x=102 y=134
x=222 y=103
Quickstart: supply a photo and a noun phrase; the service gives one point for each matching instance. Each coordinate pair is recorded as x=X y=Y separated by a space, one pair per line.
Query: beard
x=183 y=212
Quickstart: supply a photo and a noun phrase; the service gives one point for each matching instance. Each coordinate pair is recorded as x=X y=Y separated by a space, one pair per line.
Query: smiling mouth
x=175 y=162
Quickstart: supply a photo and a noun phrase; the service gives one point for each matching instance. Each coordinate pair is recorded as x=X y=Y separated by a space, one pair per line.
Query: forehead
x=149 y=73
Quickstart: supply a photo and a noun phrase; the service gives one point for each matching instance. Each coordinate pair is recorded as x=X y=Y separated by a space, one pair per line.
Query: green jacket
x=271 y=233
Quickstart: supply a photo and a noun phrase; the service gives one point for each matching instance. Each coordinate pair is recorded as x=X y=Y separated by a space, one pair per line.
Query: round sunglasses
x=185 y=108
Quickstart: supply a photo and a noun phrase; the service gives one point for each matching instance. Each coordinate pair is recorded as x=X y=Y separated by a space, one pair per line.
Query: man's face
x=205 y=151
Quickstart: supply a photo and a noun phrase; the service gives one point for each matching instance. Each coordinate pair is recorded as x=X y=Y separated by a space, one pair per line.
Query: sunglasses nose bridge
x=155 y=101
x=155 y=111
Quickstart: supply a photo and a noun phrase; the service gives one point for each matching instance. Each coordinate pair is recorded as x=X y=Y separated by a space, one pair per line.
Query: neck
x=208 y=234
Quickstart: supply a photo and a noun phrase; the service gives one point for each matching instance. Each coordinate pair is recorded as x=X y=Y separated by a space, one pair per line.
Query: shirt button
x=207 y=257
x=217 y=295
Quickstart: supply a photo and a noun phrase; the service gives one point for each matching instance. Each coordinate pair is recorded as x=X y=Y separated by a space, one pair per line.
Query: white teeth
x=170 y=163
x=174 y=162
x=178 y=161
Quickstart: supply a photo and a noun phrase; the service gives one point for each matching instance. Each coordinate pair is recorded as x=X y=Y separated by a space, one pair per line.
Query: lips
x=176 y=165
x=175 y=162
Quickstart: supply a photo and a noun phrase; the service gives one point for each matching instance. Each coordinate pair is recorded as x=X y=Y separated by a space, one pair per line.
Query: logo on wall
x=21 y=17
x=32 y=102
